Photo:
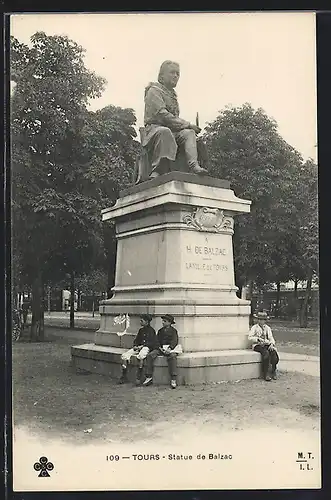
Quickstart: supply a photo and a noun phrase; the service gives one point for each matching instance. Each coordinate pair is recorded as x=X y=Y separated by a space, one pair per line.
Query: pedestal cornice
x=177 y=189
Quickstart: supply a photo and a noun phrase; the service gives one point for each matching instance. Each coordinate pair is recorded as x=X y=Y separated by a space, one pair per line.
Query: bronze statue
x=168 y=142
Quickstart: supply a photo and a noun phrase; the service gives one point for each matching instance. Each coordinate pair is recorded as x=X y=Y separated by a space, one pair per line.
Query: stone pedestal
x=175 y=256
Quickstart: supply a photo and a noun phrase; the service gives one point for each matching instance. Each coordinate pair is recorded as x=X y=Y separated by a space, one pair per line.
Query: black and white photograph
x=164 y=269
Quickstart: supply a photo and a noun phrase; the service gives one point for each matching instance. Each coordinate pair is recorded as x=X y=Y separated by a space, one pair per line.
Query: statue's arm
x=173 y=122
x=157 y=112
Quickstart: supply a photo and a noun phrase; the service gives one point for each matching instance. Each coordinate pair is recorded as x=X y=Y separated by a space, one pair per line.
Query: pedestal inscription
x=207 y=258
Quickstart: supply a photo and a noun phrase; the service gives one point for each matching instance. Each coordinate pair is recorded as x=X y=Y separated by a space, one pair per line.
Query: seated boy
x=167 y=345
x=263 y=341
x=144 y=342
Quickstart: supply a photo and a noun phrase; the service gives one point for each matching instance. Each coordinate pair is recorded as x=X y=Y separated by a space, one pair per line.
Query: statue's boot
x=199 y=170
x=154 y=174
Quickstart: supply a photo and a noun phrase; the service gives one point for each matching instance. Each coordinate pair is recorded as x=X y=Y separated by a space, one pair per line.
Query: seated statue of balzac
x=168 y=142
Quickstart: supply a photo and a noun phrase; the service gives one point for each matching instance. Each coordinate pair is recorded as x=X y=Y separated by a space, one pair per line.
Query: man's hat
x=261 y=315
x=169 y=318
x=147 y=317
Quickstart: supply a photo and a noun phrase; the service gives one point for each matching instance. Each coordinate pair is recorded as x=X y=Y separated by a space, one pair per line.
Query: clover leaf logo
x=43 y=466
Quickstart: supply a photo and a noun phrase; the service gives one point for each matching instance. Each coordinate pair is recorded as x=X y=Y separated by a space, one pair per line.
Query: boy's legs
x=172 y=368
x=150 y=365
x=125 y=358
x=265 y=354
x=172 y=365
x=140 y=358
x=142 y=354
x=274 y=360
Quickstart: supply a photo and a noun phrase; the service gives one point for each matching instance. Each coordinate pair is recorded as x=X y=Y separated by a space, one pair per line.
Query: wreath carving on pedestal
x=209 y=219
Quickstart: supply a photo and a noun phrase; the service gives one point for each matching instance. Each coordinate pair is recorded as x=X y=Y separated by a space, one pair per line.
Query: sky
x=226 y=59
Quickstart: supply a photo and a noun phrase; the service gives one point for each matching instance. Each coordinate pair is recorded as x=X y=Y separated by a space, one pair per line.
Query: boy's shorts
x=141 y=355
x=177 y=350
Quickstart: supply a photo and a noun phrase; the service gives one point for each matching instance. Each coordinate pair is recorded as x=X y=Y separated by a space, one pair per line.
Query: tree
x=64 y=158
x=246 y=148
x=306 y=234
x=52 y=90
x=94 y=283
x=110 y=149
x=106 y=160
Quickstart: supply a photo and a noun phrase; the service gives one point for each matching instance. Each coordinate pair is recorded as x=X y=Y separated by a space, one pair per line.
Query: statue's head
x=169 y=74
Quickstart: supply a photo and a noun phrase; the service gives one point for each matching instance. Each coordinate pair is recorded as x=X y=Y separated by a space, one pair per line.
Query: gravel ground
x=51 y=399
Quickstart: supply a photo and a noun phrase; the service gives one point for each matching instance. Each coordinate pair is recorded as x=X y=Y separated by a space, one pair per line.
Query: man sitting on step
x=167 y=339
x=144 y=342
x=263 y=342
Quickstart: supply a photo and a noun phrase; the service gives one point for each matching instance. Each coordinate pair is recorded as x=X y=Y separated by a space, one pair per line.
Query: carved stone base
x=175 y=256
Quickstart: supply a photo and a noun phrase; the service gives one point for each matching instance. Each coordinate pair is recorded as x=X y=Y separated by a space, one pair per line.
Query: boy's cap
x=169 y=317
x=146 y=317
x=261 y=315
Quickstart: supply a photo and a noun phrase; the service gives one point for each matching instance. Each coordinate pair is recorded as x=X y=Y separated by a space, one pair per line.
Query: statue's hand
x=196 y=129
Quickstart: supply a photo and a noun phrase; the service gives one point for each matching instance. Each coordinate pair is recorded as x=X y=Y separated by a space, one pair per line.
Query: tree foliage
x=270 y=243
x=67 y=162
x=95 y=282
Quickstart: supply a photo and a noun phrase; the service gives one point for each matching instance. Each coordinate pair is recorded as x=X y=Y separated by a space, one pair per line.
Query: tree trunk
x=277 y=300
x=79 y=300
x=304 y=309
x=72 y=299
x=49 y=300
x=296 y=289
x=93 y=306
x=37 y=306
x=297 y=304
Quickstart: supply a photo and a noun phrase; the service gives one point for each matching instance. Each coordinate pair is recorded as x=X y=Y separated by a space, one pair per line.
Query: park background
x=77 y=86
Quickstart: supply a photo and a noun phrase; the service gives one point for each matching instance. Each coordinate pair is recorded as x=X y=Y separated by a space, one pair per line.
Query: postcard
x=165 y=260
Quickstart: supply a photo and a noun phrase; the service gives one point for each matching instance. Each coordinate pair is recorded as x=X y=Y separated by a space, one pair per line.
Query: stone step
x=193 y=368
x=190 y=343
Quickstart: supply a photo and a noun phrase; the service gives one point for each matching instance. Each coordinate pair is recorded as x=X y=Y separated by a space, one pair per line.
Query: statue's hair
x=163 y=66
